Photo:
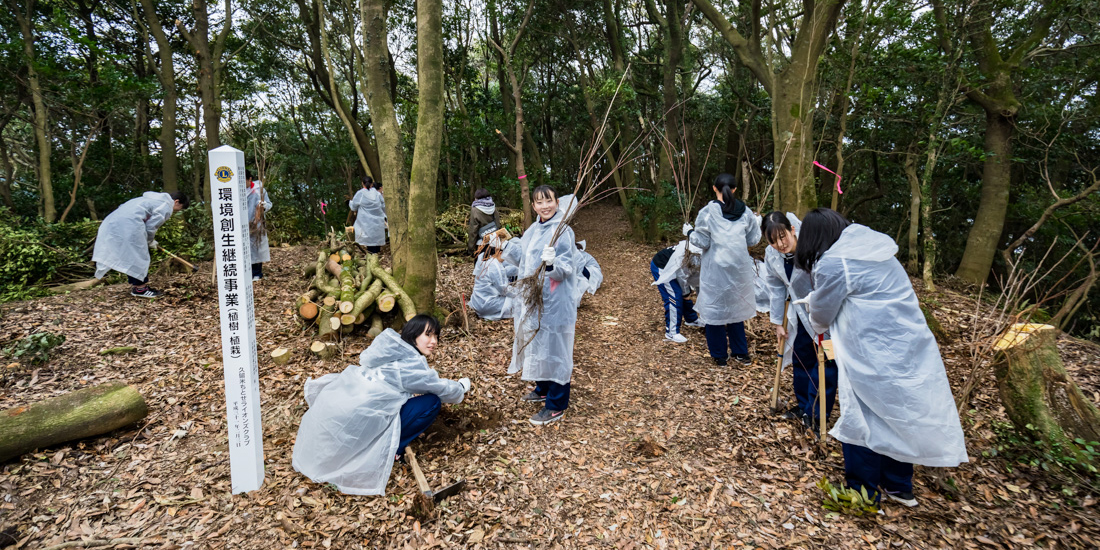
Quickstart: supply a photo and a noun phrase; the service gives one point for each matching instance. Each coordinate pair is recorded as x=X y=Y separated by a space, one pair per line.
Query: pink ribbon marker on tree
x=323 y=205
x=822 y=166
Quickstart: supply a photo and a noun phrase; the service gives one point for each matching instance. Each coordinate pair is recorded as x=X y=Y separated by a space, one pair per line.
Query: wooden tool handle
x=420 y=480
x=781 y=347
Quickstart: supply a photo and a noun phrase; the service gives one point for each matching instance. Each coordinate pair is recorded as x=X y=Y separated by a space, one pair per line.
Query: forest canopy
x=967 y=131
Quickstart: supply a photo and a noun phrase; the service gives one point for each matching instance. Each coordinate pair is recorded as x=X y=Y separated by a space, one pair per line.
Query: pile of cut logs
x=348 y=291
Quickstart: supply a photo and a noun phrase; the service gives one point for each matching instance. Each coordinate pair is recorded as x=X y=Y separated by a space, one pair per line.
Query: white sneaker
x=678 y=338
x=695 y=324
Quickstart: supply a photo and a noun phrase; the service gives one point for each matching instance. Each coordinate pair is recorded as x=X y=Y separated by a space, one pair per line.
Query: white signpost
x=233 y=262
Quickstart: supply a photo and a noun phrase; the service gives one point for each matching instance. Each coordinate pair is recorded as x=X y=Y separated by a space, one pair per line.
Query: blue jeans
x=416 y=415
x=804 y=367
x=733 y=335
x=557 y=395
x=866 y=469
x=677 y=308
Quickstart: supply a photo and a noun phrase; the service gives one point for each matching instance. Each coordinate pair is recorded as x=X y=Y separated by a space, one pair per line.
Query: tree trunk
x=387 y=131
x=912 y=264
x=169 y=167
x=77 y=415
x=41 y=118
x=985 y=234
x=1038 y=395
x=420 y=273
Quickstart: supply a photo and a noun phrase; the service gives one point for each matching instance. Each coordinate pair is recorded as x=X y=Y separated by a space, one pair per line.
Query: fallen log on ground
x=80 y=414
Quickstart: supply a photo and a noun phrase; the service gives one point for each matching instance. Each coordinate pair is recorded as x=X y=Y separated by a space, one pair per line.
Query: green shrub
x=34 y=349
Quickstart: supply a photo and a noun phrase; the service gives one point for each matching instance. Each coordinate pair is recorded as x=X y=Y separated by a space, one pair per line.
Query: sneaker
x=794 y=413
x=256 y=277
x=144 y=292
x=695 y=324
x=743 y=359
x=534 y=397
x=546 y=416
x=901 y=497
x=720 y=361
x=678 y=338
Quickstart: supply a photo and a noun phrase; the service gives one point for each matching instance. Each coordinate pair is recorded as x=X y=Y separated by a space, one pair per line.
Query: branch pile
x=349 y=288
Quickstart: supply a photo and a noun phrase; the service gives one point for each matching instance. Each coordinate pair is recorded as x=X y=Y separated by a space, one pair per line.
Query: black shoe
x=720 y=361
x=743 y=359
x=794 y=413
x=901 y=497
x=145 y=291
x=534 y=397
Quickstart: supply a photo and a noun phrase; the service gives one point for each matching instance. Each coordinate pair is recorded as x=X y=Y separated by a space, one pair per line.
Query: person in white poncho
x=259 y=203
x=128 y=234
x=724 y=230
x=896 y=407
x=360 y=420
x=491 y=298
x=784 y=282
x=674 y=282
x=543 y=346
x=370 y=215
x=591 y=275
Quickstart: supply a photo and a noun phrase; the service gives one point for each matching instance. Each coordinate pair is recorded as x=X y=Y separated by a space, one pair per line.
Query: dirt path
x=659 y=449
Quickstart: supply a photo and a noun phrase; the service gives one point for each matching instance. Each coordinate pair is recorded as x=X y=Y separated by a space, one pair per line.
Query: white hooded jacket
x=543 y=346
x=352 y=429
x=727 y=291
x=491 y=298
x=370 y=220
x=595 y=274
x=894 y=395
x=122 y=243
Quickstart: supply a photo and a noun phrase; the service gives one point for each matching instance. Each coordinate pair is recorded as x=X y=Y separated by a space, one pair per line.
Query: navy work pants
x=804 y=365
x=866 y=469
x=416 y=415
x=677 y=308
x=557 y=395
x=731 y=335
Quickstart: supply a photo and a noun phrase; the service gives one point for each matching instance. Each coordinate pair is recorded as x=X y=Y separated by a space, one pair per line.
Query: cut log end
x=347 y=319
x=324 y=350
x=346 y=307
x=308 y=311
x=280 y=356
x=330 y=301
x=1017 y=334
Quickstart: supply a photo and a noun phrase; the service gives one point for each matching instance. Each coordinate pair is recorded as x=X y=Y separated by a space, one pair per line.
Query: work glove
x=687 y=229
x=548 y=256
x=153 y=244
x=465 y=382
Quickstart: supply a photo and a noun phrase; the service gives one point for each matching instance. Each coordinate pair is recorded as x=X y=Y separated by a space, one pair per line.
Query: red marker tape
x=323 y=205
x=523 y=176
x=822 y=166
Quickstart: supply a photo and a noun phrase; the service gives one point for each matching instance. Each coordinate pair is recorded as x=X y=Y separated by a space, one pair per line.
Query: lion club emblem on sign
x=223 y=173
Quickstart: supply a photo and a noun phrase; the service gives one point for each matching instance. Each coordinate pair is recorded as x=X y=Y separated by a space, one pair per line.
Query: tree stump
x=77 y=415
x=1037 y=392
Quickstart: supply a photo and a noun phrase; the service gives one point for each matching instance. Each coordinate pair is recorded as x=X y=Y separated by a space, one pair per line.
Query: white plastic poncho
x=779 y=288
x=726 y=275
x=122 y=243
x=257 y=195
x=543 y=347
x=760 y=287
x=352 y=429
x=595 y=274
x=674 y=269
x=894 y=395
x=492 y=297
x=370 y=220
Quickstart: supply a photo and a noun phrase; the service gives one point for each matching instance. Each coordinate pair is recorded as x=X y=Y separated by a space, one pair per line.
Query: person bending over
x=128 y=234
x=361 y=419
x=896 y=407
x=673 y=281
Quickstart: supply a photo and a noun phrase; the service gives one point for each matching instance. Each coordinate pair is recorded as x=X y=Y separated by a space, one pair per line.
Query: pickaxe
x=436 y=496
x=180 y=260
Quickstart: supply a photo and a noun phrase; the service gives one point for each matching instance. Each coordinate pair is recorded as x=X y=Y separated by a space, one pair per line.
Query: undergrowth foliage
x=34 y=349
x=33 y=255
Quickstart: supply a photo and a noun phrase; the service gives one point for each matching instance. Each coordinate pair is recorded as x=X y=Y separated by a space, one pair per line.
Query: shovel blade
x=449 y=490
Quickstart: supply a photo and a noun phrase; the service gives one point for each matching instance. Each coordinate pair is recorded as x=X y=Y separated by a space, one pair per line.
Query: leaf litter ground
x=660 y=448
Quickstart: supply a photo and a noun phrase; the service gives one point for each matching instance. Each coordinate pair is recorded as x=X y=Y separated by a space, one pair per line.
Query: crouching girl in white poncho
x=543 y=347
x=362 y=418
x=491 y=298
x=896 y=407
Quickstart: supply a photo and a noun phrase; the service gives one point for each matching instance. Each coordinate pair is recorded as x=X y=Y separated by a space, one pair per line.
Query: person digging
x=128 y=234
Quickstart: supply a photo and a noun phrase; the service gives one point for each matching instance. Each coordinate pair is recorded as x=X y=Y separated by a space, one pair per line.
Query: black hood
x=732 y=212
